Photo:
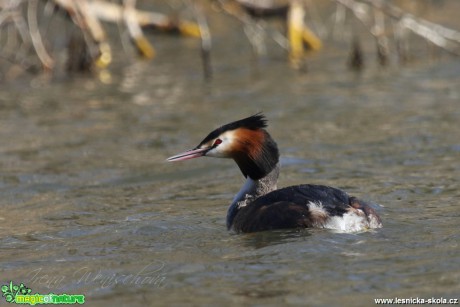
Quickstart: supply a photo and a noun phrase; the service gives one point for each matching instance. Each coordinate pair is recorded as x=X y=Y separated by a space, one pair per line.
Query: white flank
x=348 y=222
x=318 y=213
x=352 y=221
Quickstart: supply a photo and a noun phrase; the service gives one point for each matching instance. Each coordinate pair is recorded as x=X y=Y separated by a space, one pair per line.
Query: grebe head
x=245 y=141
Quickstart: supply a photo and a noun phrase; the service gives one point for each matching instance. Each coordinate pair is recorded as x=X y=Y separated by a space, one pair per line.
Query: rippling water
x=89 y=206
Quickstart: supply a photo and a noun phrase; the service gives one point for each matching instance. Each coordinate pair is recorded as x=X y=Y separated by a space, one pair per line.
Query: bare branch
x=140 y=41
x=83 y=16
x=253 y=30
x=112 y=12
x=442 y=37
x=45 y=58
x=206 y=42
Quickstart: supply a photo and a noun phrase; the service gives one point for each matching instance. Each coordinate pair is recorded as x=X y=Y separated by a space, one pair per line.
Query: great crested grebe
x=259 y=205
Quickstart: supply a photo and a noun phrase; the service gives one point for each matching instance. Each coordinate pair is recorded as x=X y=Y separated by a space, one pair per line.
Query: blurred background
x=95 y=95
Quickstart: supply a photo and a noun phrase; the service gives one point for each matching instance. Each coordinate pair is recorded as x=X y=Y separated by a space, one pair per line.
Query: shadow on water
x=275 y=237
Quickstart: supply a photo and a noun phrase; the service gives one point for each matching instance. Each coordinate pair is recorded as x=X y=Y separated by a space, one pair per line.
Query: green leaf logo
x=10 y=291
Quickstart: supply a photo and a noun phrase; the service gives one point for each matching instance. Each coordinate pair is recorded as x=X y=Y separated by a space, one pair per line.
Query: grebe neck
x=251 y=190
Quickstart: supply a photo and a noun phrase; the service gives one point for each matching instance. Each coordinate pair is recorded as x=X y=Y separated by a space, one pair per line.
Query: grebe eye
x=217 y=142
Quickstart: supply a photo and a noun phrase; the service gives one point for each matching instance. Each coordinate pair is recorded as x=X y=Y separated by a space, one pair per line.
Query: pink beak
x=189 y=154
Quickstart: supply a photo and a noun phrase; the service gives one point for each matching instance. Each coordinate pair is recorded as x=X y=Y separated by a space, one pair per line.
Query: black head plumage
x=254 y=122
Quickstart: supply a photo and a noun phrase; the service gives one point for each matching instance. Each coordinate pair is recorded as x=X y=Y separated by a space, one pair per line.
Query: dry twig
x=45 y=58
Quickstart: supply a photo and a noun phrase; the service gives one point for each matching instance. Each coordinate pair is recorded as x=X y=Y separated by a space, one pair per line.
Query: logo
x=22 y=295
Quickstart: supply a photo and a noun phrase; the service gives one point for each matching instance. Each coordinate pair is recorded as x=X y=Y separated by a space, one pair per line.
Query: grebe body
x=259 y=205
